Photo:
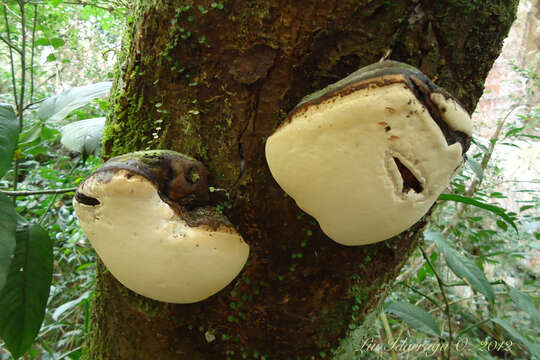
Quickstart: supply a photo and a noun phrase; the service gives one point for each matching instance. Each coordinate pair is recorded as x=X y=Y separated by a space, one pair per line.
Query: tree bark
x=213 y=80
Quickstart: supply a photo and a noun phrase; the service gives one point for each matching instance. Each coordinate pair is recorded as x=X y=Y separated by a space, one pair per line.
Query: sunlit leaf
x=69 y=305
x=51 y=57
x=497 y=195
x=8 y=223
x=533 y=348
x=513 y=131
x=57 y=42
x=462 y=266
x=24 y=296
x=492 y=208
x=42 y=42
x=415 y=317
x=83 y=136
x=58 y=107
x=9 y=132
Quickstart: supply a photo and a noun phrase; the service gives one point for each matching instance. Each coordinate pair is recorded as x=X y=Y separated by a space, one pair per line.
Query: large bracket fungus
x=144 y=214
x=369 y=155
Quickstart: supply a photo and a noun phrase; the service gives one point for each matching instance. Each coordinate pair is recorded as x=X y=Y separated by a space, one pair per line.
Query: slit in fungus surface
x=409 y=180
x=86 y=200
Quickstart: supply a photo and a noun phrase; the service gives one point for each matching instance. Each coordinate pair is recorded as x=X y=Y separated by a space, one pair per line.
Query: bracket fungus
x=144 y=214
x=369 y=155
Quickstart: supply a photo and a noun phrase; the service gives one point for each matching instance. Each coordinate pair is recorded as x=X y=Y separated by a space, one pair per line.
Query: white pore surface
x=149 y=249
x=335 y=160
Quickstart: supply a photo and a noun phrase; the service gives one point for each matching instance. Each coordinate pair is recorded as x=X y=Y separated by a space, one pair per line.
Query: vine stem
x=388 y=332
x=11 y=60
x=447 y=305
x=37 y=192
x=32 y=56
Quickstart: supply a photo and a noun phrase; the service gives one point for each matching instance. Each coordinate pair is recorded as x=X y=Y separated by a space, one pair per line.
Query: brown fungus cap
x=144 y=214
x=369 y=155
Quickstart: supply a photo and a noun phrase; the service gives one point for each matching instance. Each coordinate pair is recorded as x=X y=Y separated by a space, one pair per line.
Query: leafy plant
x=37 y=175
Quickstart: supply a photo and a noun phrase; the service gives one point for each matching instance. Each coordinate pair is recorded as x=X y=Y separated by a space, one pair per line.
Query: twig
x=447 y=305
x=23 y=62
x=388 y=332
x=81 y=3
x=10 y=44
x=27 y=106
x=483 y=165
x=432 y=300
x=40 y=222
x=32 y=57
x=14 y=83
x=37 y=192
x=66 y=179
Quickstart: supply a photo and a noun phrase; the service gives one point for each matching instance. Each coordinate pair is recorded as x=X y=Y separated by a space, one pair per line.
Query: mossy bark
x=213 y=80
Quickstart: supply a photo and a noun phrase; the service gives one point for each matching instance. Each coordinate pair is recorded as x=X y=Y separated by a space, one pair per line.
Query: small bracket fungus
x=144 y=214
x=369 y=155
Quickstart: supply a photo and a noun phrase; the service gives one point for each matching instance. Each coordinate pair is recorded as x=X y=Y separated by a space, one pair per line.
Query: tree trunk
x=213 y=80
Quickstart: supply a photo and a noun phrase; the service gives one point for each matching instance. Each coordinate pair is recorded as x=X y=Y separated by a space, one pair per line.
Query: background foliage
x=472 y=284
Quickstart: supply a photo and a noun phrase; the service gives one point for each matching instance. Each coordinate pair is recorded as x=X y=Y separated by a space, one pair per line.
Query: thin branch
x=81 y=3
x=66 y=179
x=23 y=62
x=10 y=44
x=57 y=73
x=27 y=106
x=32 y=57
x=42 y=218
x=432 y=300
x=11 y=60
x=478 y=181
x=447 y=305
x=13 y=13
x=37 y=192
x=388 y=332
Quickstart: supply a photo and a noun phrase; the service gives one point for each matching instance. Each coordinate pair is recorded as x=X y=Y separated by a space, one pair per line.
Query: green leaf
x=492 y=208
x=69 y=305
x=42 y=42
x=83 y=136
x=526 y=304
x=58 y=107
x=51 y=57
x=24 y=297
x=8 y=224
x=462 y=266
x=481 y=146
x=513 y=131
x=475 y=167
x=525 y=208
x=415 y=317
x=533 y=348
x=502 y=225
x=57 y=42
x=497 y=195
x=9 y=133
